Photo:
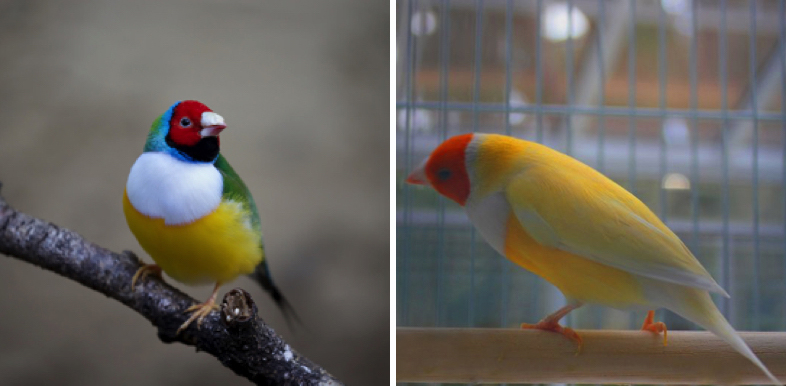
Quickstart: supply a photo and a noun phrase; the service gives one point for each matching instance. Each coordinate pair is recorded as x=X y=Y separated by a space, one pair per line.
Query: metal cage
x=681 y=102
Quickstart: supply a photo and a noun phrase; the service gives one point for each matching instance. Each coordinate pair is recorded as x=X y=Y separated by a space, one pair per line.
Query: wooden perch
x=237 y=337
x=470 y=355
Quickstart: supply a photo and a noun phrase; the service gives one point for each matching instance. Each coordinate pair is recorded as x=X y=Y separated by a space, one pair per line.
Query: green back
x=236 y=190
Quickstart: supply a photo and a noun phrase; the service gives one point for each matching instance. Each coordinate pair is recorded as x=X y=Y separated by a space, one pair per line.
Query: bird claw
x=556 y=327
x=200 y=311
x=651 y=325
x=144 y=271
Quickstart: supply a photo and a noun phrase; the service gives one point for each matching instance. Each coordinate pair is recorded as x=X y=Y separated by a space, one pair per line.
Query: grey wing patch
x=538 y=228
x=490 y=217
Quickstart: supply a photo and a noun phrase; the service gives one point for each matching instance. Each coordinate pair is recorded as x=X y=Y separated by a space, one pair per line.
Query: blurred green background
x=303 y=86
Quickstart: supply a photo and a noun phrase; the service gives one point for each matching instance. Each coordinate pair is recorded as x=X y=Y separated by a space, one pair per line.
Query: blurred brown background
x=303 y=86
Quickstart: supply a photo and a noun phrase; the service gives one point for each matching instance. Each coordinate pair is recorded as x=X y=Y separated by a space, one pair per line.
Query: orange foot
x=200 y=311
x=551 y=323
x=657 y=328
x=553 y=326
x=146 y=269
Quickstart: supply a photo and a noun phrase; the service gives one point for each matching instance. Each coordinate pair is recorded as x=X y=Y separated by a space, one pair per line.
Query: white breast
x=180 y=192
x=490 y=216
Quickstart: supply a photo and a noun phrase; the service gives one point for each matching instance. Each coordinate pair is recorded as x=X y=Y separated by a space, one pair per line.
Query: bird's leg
x=551 y=323
x=650 y=325
x=142 y=272
x=201 y=310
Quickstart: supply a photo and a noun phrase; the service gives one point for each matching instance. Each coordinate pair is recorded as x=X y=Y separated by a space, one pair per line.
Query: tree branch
x=237 y=337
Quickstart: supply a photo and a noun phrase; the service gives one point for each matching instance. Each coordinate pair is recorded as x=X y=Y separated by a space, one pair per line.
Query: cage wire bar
x=692 y=121
x=755 y=180
x=782 y=51
x=726 y=258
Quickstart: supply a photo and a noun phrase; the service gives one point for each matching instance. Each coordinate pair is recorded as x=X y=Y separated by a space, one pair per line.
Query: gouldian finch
x=191 y=212
x=571 y=225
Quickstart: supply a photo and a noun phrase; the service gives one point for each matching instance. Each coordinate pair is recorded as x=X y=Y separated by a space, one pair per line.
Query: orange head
x=446 y=169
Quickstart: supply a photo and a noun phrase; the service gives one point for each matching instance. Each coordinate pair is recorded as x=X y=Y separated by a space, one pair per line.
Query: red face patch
x=186 y=122
x=446 y=168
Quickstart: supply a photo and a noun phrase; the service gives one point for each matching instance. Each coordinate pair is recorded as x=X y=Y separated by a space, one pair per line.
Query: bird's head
x=188 y=130
x=446 y=169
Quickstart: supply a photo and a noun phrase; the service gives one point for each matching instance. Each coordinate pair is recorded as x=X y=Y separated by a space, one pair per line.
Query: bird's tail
x=697 y=306
x=262 y=276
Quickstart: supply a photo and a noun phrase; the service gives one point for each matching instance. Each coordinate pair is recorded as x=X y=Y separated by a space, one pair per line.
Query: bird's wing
x=588 y=215
x=236 y=190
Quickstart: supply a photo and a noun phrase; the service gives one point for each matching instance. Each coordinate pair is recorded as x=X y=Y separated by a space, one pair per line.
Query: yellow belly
x=577 y=277
x=216 y=248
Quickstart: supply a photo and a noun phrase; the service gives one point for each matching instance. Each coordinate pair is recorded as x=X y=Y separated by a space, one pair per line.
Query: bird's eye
x=443 y=174
x=185 y=122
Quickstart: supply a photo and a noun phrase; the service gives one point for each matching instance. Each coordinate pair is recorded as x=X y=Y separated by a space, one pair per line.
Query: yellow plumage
x=215 y=248
x=582 y=281
x=576 y=228
x=504 y=161
x=569 y=215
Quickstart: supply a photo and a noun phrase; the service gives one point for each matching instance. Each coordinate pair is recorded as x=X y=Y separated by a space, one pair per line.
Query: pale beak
x=418 y=175
x=211 y=131
x=212 y=124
